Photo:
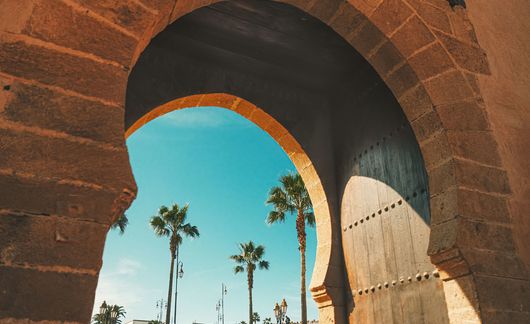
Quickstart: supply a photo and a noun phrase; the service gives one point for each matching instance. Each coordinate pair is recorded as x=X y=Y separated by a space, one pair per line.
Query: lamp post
x=218 y=309
x=179 y=274
x=223 y=293
x=280 y=311
x=108 y=317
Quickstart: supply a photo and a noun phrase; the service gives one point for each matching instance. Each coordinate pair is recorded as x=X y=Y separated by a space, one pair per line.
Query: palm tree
x=172 y=223
x=292 y=197
x=121 y=223
x=248 y=259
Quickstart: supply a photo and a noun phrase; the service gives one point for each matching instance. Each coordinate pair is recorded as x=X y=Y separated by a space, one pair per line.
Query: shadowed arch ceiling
x=247 y=47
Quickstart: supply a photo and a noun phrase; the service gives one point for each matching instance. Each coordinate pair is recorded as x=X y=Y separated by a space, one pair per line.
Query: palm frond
x=182 y=214
x=258 y=253
x=275 y=217
x=121 y=223
x=310 y=219
x=190 y=231
x=159 y=226
x=238 y=258
x=238 y=269
x=264 y=265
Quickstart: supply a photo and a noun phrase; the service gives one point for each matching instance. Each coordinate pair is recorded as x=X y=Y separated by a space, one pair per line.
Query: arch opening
x=308 y=82
x=209 y=153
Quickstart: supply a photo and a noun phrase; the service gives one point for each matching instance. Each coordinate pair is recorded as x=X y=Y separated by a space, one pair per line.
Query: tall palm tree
x=292 y=197
x=172 y=223
x=121 y=224
x=249 y=259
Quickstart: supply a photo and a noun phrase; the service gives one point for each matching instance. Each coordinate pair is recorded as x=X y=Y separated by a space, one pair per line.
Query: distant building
x=139 y=322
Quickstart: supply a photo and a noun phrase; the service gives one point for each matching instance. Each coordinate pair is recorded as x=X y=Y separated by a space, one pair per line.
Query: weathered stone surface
x=479 y=235
x=435 y=150
x=326 y=10
x=45 y=108
x=448 y=88
x=69 y=297
x=503 y=294
x=481 y=177
x=402 y=80
x=54 y=198
x=463 y=115
x=415 y=103
x=434 y=16
x=386 y=59
x=346 y=19
x=125 y=13
x=412 y=36
x=390 y=14
x=442 y=177
x=482 y=206
x=60 y=69
x=86 y=34
x=422 y=61
x=50 y=241
x=479 y=146
x=495 y=263
x=366 y=38
x=469 y=57
x=426 y=126
x=59 y=159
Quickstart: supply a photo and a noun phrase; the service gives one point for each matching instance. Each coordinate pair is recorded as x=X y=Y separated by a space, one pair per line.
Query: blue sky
x=223 y=166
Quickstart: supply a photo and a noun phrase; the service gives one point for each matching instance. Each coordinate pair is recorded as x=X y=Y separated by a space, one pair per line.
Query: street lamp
x=284 y=307
x=280 y=311
x=103 y=311
x=277 y=312
x=181 y=271
x=179 y=274
x=103 y=308
x=113 y=315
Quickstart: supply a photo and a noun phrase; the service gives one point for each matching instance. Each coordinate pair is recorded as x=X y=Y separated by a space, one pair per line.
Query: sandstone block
x=85 y=34
x=70 y=72
x=36 y=106
x=47 y=296
x=51 y=241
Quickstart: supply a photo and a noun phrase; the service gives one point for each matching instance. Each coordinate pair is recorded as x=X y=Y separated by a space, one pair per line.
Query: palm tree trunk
x=168 y=311
x=300 y=229
x=250 y=279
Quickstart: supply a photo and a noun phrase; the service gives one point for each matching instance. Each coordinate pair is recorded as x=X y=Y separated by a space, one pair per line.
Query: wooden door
x=385 y=223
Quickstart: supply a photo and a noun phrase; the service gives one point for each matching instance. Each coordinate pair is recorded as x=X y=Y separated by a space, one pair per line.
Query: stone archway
x=63 y=98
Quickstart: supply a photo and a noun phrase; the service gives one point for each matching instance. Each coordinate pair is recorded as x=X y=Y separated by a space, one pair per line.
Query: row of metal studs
x=380 y=211
x=386 y=284
x=383 y=139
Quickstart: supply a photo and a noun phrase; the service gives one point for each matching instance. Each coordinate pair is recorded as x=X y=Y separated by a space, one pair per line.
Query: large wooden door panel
x=385 y=221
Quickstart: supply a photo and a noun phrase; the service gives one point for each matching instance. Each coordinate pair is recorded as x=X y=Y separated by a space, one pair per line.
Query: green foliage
x=172 y=223
x=250 y=258
x=291 y=197
x=267 y=320
x=121 y=224
x=255 y=317
x=105 y=317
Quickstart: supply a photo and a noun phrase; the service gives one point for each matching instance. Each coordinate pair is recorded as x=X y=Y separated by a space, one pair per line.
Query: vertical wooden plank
x=400 y=180
x=364 y=307
x=385 y=199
